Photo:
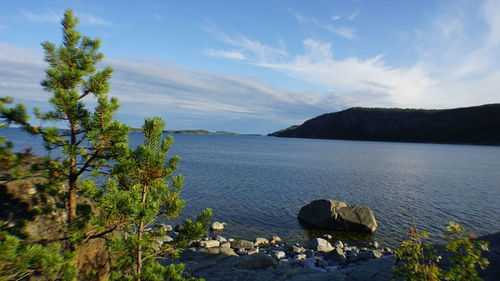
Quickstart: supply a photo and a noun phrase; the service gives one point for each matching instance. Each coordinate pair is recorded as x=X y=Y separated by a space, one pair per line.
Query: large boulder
x=337 y=215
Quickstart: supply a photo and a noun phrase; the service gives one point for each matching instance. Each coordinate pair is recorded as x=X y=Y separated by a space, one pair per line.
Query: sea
x=257 y=184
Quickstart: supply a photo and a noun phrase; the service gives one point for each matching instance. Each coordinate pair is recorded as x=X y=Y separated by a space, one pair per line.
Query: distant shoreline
x=200 y=132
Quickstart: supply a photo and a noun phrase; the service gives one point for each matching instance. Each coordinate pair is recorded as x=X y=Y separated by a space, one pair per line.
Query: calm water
x=258 y=184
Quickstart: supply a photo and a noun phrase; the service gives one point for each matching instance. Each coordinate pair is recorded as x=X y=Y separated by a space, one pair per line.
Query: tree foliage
x=142 y=191
x=91 y=137
x=417 y=260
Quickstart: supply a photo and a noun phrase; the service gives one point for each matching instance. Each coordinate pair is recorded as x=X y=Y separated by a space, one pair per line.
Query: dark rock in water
x=337 y=215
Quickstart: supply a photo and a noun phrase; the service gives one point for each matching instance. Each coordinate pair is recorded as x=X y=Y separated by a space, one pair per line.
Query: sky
x=263 y=65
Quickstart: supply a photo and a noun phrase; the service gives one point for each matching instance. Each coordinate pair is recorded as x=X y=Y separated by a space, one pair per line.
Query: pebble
x=261 y=241
x=278 y=254
x=253 y=251
x=217 y=226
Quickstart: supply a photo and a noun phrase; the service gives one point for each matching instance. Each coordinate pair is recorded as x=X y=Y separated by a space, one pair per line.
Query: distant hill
x=469 y=125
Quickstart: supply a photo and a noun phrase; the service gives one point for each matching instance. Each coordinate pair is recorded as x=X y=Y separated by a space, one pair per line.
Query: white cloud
x=247 y=47
x=457 y=66
x=346 y=32
x=234 y=54
x=147 y=88
x=52 y=16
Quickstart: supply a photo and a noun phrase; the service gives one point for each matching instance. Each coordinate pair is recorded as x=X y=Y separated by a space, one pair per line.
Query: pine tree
x=90 y=137
x=142 y=191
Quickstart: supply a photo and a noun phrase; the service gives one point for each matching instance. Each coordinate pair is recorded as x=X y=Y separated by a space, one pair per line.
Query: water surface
x=258 y=184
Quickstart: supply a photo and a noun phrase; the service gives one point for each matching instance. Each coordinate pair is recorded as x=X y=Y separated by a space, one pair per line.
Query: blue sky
x=260 y=66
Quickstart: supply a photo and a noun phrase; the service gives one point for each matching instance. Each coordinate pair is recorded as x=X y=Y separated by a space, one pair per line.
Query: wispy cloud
x=246 y=46
x=52 y=16
x=42 y=17
x=147 y=88
x=234 y=54
x=456 y=66
x=344 y=31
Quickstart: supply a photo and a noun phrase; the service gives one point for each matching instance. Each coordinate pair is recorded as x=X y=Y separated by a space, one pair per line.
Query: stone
x=321 y=245
x=230 y=240
x=257 y=261
x=337 y=256
x=338 y=215
x=225 y=245
x=167 y=228
x=365 y=255
x=217 y=226
x=166 y=239
x=338 y=244
x=374 y=245
x=326 y=236
x=242 y=244
x=388 y=250
x=300 y=257
x=241 y=251
x=209 y=243
x=278 y=254
x=220 y=238
x=261 y=241
x=377 y=254
x=298 y=249
x=275 y=239
x=253 y=251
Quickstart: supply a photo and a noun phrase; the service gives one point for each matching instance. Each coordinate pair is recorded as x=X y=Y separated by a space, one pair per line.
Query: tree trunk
x=73 y=177
x=139 y=237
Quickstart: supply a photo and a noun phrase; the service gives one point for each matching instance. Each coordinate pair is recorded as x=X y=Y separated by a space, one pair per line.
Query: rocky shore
x=215 y=257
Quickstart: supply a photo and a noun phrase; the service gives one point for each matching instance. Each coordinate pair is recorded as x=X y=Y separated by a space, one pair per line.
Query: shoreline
x=215 y=257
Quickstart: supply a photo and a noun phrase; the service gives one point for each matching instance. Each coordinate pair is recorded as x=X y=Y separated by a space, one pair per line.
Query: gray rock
x=166 y=239
x=230 y=240
x=374 y=245
x=300 y=257
x=278 y=254
x=209 y=243
x=220 y=238
x=242 y=244
x=298 y=249
x=257 y=261
x=241 y=251
x=253 y=251
x=365 y=255
x=337 y=256
x=338 y=244
x=167 y=227
x=337 y=215
x=275 y=239
x=321 y=245
x=217 y=226
x=261 y=241
x=377 y=254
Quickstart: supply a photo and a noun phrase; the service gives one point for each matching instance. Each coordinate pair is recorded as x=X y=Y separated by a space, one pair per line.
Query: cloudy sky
x=259 y=66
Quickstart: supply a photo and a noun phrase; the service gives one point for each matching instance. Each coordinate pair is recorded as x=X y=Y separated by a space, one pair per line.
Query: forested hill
x=469 y=125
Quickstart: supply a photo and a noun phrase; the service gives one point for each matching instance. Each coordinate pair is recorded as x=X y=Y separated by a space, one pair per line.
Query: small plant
x=465 y=253
x=417 y=260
